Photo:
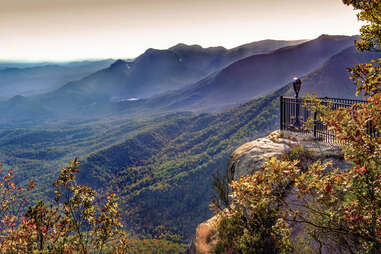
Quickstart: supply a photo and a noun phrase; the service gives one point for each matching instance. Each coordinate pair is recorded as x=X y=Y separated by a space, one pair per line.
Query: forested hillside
x=161 y=168
x=163 y=174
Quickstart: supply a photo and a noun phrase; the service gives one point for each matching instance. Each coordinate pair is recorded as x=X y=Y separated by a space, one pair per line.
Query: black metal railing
x=294 y=114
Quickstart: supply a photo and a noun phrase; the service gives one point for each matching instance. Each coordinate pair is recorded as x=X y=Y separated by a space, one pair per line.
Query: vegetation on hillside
x=77 y=220
x=335 y=211
x=163 y=174
x=152 y=164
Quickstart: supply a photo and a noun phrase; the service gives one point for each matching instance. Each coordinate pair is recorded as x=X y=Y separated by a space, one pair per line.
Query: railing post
x=297 y=109
x=315 y=130
x=281 y=113
x=290 y=116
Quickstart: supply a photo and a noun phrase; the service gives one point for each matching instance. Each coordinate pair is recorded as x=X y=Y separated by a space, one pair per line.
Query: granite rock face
x=249 y=157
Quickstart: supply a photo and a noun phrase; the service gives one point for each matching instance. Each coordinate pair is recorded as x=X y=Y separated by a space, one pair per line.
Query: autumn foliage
x=72 y=224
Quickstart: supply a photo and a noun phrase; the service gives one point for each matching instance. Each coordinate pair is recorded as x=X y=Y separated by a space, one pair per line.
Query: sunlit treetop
x=370 y=12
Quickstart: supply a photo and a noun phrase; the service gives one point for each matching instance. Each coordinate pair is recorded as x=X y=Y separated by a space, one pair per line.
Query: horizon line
x=71 y=60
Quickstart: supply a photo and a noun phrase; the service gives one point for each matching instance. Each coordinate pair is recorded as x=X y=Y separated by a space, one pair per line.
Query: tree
x=253 y=222
x=370 y=13
x=74 y=224
x=11 y=206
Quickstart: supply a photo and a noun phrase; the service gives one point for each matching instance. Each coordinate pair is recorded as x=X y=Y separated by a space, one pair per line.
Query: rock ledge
x=249 y=157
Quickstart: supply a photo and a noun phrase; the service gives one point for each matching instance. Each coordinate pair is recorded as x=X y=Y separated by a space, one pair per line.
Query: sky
x=61 y=30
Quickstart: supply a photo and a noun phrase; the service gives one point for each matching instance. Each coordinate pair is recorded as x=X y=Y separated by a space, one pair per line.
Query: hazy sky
x=78 y=29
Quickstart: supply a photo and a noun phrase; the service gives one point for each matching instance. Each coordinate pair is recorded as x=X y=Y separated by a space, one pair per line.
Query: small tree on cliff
x=338 y=207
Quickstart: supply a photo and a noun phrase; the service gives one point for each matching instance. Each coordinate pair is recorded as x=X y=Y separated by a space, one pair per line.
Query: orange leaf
x=30 y=184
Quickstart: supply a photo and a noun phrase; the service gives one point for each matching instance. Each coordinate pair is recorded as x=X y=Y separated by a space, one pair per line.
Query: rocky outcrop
x=205 y=237
x=249 y=157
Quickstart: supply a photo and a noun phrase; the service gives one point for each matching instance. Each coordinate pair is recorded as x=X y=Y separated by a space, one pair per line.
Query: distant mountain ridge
x=157 y=71
x=182 y=65
x=259 y=75
x=206 y=79
x=32 y=80
x=4 y=64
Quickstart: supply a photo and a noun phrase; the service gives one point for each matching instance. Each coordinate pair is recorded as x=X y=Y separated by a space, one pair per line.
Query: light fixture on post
x=297 y=85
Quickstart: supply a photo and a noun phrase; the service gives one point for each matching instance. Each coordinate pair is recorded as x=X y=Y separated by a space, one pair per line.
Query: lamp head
x=297 y=85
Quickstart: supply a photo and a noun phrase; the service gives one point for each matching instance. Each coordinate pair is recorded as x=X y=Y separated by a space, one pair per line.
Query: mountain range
x=258 y=75
x=157 y=71
x=153 y=72
x=238 y=82
x=27 y=80
x=180 y=78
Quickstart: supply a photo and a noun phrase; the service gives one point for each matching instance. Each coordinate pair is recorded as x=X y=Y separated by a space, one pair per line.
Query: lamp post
x=297 y=85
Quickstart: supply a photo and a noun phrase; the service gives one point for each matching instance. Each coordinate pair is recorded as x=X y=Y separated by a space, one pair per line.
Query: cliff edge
x=249 y=157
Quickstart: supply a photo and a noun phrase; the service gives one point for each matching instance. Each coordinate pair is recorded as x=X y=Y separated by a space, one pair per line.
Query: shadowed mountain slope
x=256 y=76
x=259 y=75
x=332 y=78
